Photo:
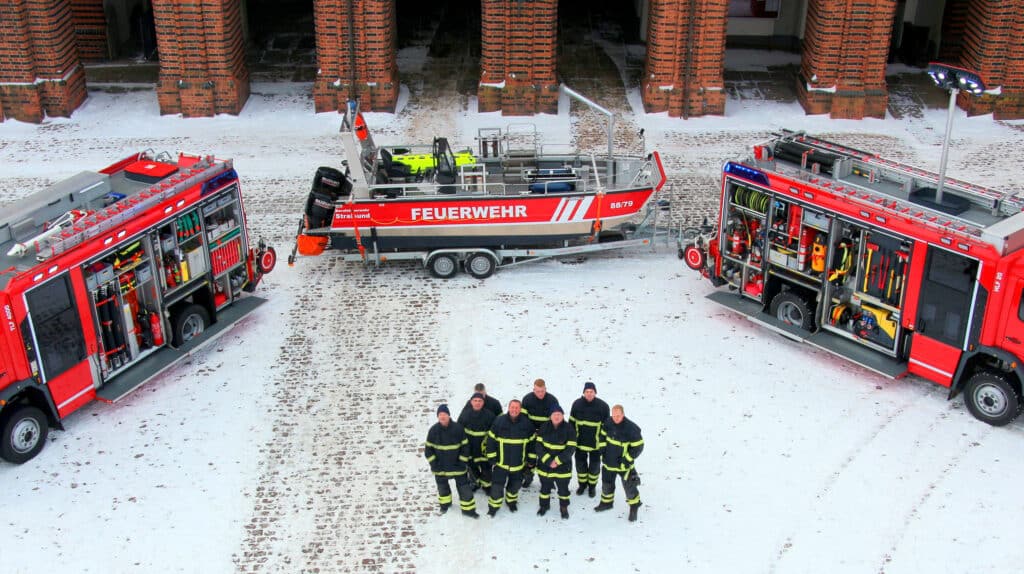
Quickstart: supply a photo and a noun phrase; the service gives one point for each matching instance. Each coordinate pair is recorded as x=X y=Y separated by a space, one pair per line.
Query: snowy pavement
x=294 y=443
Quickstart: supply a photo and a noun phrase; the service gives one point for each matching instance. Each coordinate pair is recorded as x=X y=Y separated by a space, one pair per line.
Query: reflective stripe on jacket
x=508 y=442
x=586 y=417
x=620 y=445
x=476 y=424
x=555 y=443
x=447 y=449
x=538 y=410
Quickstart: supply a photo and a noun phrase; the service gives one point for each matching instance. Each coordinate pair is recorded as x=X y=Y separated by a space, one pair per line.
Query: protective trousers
x=504 y=485
x=462 y=484
x=588 y=466
x=546 y=484
x=608 y=487
x=481 y=472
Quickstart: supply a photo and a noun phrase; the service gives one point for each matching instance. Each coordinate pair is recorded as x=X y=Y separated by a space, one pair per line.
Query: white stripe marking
x=584 y=206
x=76 y=396
x=931 y=368
x=558 y=209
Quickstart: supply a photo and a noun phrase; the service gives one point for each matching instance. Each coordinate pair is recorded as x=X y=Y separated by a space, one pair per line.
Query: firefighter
x=490 y=403
x=477 y=420
x=586 y=415
x=537 y=406
x=620 y=443
x=555 y=444
x=447 y=451
x=508 y=449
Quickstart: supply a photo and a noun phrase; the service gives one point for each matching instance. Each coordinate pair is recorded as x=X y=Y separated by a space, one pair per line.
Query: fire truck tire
x=480 y=265
x=992 y=399
x=24 y=434
x=792 y=309
x=443 y=266
x=694 y=257
x=189 y=323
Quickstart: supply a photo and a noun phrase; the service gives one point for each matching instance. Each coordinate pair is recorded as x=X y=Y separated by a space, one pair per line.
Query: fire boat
x=509 y=191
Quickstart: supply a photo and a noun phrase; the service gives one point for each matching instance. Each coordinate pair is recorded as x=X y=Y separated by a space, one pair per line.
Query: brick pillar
x=993 y=48
x=356 y=54
x=846 y=44
x=684 y=71
x=40 y=74
x=90 y=29
x=202 y=57
x=518 y=57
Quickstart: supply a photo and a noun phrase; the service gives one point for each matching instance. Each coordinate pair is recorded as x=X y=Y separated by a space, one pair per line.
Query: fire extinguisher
x=807 y=236
x=158 y=332
x=818 y=254
x=737 y=239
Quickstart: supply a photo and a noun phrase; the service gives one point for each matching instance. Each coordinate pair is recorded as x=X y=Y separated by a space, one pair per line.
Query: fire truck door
x=1011 y=337
x=947 y=291
x=59 y=342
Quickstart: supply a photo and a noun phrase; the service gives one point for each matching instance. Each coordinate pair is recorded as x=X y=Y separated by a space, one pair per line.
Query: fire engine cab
x=874 y=261
x=108 y=278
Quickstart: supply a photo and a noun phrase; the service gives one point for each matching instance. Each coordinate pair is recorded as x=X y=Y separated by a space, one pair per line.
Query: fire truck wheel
x=694 y=257
x=992 y=399
x=792 y=309
x=24 y=434
x=189 y=323
x=443 y=266
x=480 y=265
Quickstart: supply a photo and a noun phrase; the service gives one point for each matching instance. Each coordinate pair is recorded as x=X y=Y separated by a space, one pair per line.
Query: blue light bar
x=748 y=173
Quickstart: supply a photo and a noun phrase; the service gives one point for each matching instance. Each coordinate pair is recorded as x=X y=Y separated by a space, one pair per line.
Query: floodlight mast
x=953 y=79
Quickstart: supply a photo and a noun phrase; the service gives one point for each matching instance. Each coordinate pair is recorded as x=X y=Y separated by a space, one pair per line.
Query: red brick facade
x=202 y=57
x=356 y=54
x=90 y=29
x=846 y=45
x=40 y=74
x=518 y=57
x=992 y=46
x=683 y=74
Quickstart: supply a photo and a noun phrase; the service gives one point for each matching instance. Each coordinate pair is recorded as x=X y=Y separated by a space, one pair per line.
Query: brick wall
x=518 y=57
x=683 y=74
x=202 y=57
x=90 y=29
x=40 y=74
x=954 y=22
x=993 y=47
x=846 y=45
x=356 y=54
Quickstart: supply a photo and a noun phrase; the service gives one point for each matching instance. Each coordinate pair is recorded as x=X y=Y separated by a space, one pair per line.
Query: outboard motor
x=329 y=185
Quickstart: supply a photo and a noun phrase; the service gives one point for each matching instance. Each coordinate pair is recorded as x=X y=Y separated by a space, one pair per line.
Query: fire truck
x=111 y=277
x=886 y=265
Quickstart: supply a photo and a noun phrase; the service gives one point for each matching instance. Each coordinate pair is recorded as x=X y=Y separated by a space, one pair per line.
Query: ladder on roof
x=999 y=203
x=121 y=211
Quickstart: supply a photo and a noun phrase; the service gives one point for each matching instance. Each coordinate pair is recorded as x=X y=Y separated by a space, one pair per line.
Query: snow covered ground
x=294 y=443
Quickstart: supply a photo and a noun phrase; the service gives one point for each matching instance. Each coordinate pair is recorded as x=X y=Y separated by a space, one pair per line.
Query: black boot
x=513 y=506
x=580 y=490
x=492 y=511
x=591 y=491
x=632 y=511
x=603 y=506
x=564 y=510
x=470 y=513
x=445 y=507
x=542 y=510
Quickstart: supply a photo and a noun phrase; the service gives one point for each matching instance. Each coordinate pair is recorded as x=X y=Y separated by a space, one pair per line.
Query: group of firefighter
x=500 y=452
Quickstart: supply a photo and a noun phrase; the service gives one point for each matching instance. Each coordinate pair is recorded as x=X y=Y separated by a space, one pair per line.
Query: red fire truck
x=874 y=261
x=108 y=278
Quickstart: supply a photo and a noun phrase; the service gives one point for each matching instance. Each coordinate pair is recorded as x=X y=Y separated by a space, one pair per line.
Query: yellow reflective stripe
x=617 y=443
x=553 y=474
x=446 y=446
x=513 y=440
x=586 y=423
x=431 y=458
x=476 y=433
x=450 y=473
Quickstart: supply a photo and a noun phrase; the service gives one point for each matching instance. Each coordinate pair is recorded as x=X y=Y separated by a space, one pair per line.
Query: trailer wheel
x=693 y=256
x=443 y=266
x=267 y=260
x=24 y=434
x=189 y=323
x=992 y=399
x=480 y=265
x=792 y=309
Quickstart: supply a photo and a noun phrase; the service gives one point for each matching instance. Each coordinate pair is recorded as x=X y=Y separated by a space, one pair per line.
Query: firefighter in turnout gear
x=477 y=420
x=490 y=403
x=447 y=451
x=556 y=442
x=508 y=449
x=537 y=406
x=586 y=415
x=621 y=443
